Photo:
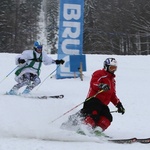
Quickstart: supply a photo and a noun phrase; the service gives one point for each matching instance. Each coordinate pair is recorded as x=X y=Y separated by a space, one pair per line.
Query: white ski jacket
x=33 y=62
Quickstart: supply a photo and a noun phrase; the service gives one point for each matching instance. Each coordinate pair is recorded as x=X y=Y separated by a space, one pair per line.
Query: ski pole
x=77 y=105
x=114 y=111
x=48 y=76
x=8 y=74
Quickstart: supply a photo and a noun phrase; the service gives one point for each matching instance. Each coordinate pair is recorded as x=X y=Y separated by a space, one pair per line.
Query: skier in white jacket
x=29 y=64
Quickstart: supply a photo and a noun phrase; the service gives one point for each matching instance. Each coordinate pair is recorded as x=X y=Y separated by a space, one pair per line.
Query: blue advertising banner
x=70 y=34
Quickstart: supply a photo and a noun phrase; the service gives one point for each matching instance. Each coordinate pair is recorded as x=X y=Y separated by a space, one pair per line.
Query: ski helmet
x=110 y=65
x=38 y=46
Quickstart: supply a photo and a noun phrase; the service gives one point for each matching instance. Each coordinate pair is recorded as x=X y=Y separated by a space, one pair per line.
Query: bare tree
x=116 y=26
x=52 y=24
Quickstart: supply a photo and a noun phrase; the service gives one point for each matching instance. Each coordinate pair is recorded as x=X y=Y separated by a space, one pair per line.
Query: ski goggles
x=112 y=68
x=40 y=47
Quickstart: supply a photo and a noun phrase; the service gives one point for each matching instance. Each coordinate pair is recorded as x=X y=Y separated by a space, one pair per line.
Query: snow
x=26 y=123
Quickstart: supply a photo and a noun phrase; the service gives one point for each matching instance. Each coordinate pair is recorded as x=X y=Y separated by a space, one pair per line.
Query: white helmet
x=110 y=65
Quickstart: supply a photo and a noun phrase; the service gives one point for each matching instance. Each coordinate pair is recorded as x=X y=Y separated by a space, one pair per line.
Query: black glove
x=61 y=61
x=104 y=86
x=120 y=108
x=21 y=61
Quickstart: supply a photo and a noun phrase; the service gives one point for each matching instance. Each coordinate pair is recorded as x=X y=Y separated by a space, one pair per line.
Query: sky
x=26 y=123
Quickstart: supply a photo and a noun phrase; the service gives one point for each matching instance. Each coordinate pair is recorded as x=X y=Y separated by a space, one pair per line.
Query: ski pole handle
x=114 y=111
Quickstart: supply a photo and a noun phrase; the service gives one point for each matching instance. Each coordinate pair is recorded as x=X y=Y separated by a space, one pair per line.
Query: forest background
x=119 y=27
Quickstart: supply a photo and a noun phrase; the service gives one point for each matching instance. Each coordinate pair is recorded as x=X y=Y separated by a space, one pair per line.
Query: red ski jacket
x=102 y=76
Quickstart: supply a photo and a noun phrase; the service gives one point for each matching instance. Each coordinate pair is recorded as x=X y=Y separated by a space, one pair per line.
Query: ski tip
x=131 y=140
x=124 y=141
x=61 y=96
x=8 y=93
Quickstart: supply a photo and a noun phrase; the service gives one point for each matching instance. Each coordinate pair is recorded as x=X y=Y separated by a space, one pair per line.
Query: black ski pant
x=93 y=105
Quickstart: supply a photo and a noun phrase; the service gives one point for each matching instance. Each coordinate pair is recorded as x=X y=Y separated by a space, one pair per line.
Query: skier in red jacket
x=102 y=91
x=95 y=116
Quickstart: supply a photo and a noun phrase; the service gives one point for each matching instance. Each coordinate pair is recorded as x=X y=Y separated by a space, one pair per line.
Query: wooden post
x=80 y=70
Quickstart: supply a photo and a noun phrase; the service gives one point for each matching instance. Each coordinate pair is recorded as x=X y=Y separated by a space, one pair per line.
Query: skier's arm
x=22 y=58
x=117 y=103
x=48 y=60
x=19 y=60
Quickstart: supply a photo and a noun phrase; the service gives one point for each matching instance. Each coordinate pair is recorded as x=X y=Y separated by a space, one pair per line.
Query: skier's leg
x=22 y=81
x=105 y=119
x=92 y=109
x=35 y=81
x=73 y=122
x=97 y=115
x=104 y=123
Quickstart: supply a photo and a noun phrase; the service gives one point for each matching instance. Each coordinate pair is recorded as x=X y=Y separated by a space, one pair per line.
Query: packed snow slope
x=25 y=123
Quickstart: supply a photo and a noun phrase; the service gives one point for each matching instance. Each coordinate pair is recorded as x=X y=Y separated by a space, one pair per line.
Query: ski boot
x=98 y=131
x=13 y=91
x=26 y=91
x=85 y=129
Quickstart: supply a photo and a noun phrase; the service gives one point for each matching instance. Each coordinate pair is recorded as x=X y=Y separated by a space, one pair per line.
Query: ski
x=131 y=140
x=52 y=96
x=123 y=141
x=38 y=97
x=144 y=140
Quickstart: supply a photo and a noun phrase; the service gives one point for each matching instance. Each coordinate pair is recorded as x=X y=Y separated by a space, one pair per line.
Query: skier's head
x=38 y=47
x=110 y=65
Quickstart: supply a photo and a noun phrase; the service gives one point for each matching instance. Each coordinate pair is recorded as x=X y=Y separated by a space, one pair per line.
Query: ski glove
x=61 y=61
x=120 y=108
x=21 y=61
x=104 y=86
